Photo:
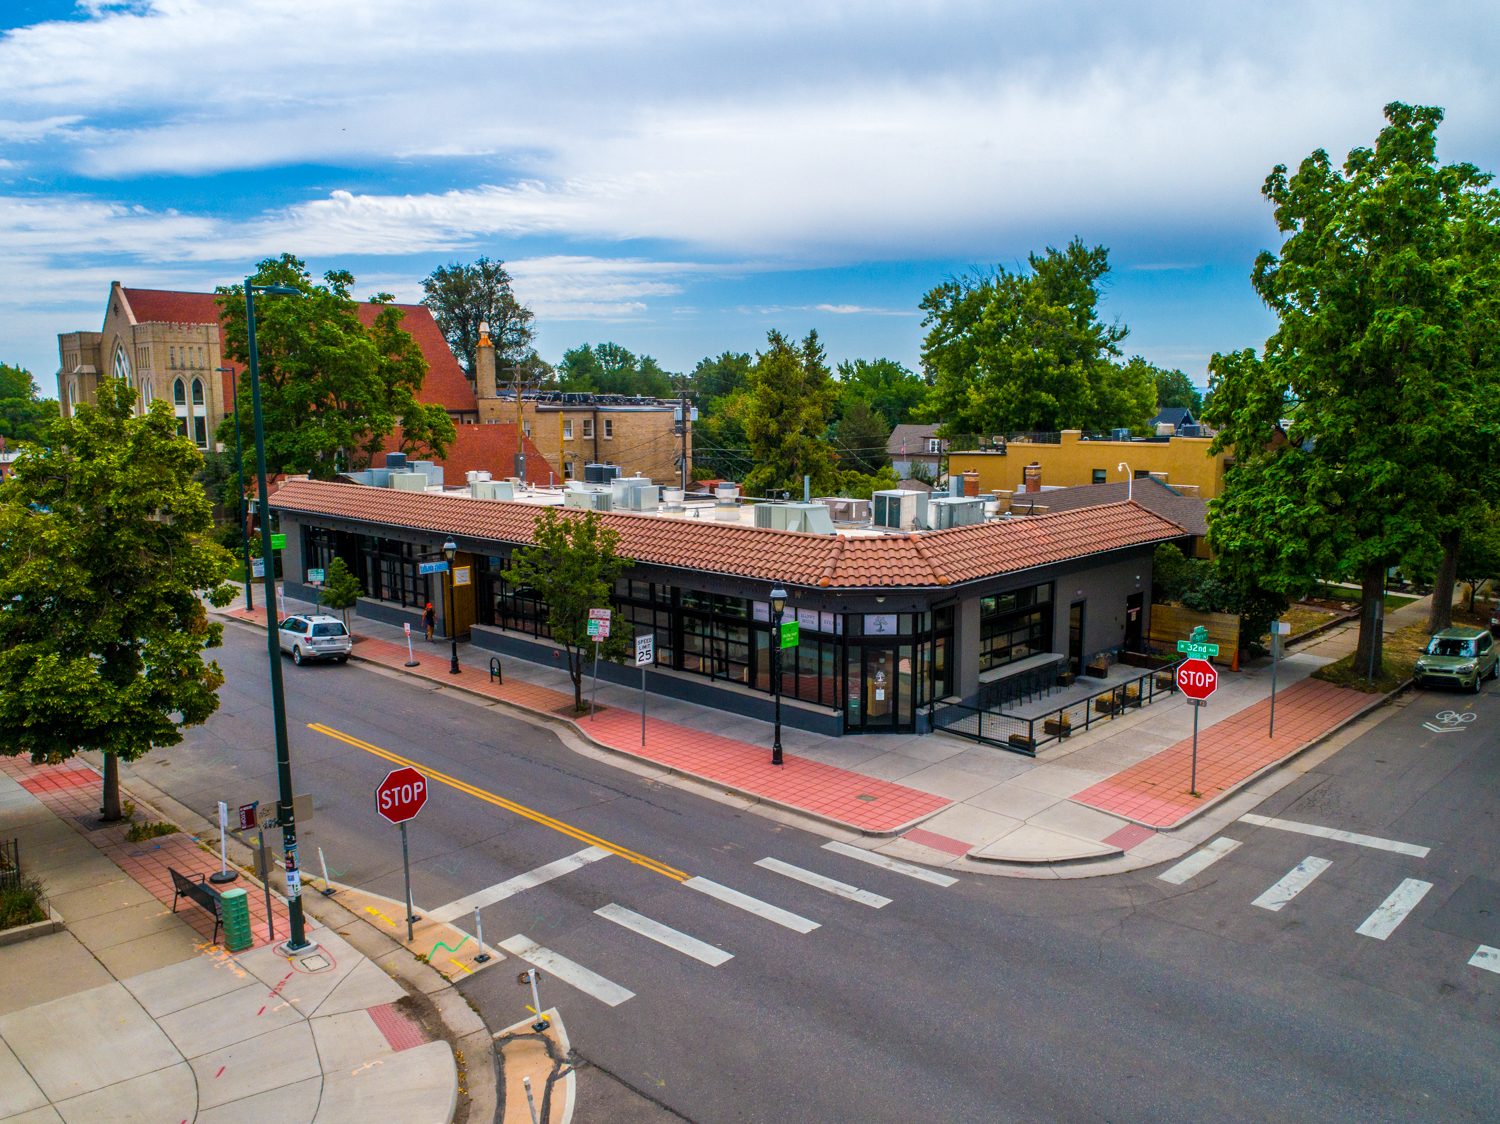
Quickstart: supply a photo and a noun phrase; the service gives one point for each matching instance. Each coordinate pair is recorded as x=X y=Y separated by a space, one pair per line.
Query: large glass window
x=1014 y=626
x=389 y=570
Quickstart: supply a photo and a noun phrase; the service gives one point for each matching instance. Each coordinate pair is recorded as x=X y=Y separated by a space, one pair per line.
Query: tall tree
x=1369 y=361
x=24 y=413
x=1173 y=388
x=1027 y=351
x=719 y=378
x=883 y=385
x=103 y=555
x=859 y=438
x=461 y=297
x=332 y=390
x=612 y=369
x=792 y=397
x=572 y=566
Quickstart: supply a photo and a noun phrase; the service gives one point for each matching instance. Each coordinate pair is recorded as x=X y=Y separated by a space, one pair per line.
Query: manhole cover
x=1473 y=912
x=315 y=963
x=864 y=796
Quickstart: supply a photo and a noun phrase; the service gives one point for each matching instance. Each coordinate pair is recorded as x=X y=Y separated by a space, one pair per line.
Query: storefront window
x=1015 y=626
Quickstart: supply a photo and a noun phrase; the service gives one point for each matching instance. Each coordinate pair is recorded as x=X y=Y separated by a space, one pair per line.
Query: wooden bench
x=200 y=893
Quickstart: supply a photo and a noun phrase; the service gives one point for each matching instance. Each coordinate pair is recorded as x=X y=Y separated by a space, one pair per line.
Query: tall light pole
x=450 y=551
x=285 y=818
x=778 y=606
x=239 y=460
x=1129 y=481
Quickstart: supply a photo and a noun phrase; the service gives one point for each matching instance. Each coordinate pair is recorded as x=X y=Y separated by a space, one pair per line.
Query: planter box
x=1065 y=679
x=1060 y=729
x=1096 y=672
x=53 y=924
x=1021 y=741
x=1165 y=682
x=1106 y=705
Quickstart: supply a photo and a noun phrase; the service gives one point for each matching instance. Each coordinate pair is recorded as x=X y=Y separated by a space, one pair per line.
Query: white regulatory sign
x=645 y=649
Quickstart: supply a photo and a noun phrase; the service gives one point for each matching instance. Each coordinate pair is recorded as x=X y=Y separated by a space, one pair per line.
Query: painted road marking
x=1342 y=836
x=818 y=881
x=1391 y=912
x=1487 y=958
x=591 y=983
x=1297 y=879
x=508 y=805
x=662 y=934
x=885 y=862
x=752 y=905
x=512 y=886
x=1194 y=865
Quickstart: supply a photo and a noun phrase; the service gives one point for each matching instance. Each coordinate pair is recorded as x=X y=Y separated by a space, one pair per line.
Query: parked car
x=1495 y=620
x=1458 y=657
x=315 y=638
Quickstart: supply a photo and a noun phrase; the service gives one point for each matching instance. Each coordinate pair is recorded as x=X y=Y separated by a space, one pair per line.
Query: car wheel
x=343 y=659
x=296 y=655
x=1478 y=682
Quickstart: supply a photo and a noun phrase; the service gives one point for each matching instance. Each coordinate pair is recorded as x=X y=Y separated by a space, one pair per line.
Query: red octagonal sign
x=401 y=795
x=1196 y=679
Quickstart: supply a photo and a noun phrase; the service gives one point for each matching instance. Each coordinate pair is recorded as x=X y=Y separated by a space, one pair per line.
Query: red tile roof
x=482 y=448
x=445 y=385
x=933 y=558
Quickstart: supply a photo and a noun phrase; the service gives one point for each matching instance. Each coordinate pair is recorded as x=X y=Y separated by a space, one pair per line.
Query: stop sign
x=401 y=795
x=1196 y=679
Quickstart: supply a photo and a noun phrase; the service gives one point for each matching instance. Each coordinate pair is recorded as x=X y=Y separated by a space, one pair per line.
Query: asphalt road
x=1116 y=999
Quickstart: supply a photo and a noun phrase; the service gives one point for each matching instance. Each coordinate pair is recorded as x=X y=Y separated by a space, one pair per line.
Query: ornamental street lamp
x=450 y=551
x=285 y=817
x=778 y=606
x=239 y=460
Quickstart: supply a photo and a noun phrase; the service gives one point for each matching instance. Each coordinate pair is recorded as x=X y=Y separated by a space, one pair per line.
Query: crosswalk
x=612 y=994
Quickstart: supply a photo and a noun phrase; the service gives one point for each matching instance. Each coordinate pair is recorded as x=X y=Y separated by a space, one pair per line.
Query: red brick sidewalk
x=72 y=792
x=856 y=801
x=1155 y=791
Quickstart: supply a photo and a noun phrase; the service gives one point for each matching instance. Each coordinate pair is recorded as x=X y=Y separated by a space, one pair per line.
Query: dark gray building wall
x=291 y=555
x=1103 y=588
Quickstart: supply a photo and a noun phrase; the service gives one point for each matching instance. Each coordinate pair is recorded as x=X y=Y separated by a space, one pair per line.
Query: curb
x=53 y=924
x=1318 y=630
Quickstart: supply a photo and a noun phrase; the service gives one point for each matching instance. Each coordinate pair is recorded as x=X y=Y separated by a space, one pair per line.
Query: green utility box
x=235 y=906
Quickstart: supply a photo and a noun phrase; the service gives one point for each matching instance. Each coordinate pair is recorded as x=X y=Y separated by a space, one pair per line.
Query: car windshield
x=334 y=629
x=1450 y=646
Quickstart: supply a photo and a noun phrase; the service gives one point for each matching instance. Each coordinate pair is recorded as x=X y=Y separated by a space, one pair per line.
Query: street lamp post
x=778 y=606
x=239 y=460
x=450 y=551
x=1129 y=480
x=285 y=817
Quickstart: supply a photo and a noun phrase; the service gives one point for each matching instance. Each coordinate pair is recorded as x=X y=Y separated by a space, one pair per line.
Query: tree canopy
x=24 y=413
x=332 y=390
x=612 y=369
x=718 y=378
x=103 y=555
x=883 y=385
x=792 y=395
x=859 y=438
x=1173 y=388
x=461 y=297
x=1026 y=351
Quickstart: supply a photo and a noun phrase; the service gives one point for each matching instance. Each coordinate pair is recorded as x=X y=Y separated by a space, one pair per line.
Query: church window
x=179 y=394
x=197 y=392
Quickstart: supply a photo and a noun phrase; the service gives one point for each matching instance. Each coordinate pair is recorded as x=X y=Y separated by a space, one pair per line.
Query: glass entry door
x=880 y=687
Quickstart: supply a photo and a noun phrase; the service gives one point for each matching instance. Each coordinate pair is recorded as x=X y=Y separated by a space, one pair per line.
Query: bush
x=23 y=904
x=1200 y=585
x=140 y=832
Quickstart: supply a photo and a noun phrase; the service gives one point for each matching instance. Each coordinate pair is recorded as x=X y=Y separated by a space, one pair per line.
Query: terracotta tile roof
x=445 y=385
x=482 y=448
x=935 y=558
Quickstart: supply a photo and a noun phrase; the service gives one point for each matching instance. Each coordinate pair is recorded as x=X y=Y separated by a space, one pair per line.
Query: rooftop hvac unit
x=396 y=462
x=1119 y=435
x=600 y=473
x=1165 y=429
x=813 y=518
x=900 y=511
x=672 y=499
x=589 y=499
x=636 y=494
x=845 y=510
x=492 y=490
x=954 y=511
x=1190 y=431
x=409 y=481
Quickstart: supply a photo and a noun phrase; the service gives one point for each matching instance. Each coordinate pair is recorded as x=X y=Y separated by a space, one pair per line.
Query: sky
x=682 y=177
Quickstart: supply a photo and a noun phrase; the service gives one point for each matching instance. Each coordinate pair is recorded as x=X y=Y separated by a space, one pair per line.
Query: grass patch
x=1350 y=595
x=140 y=832
x=1402 y=648
x=24 y=904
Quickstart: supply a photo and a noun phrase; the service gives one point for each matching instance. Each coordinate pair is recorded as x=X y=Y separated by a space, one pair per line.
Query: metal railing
x=10 y=864
x=1026 y=734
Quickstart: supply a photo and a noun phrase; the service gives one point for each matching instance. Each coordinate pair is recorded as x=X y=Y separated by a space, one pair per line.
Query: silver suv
x=315 y=638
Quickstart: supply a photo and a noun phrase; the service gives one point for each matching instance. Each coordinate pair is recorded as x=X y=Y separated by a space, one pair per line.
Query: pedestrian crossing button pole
x=530 y=976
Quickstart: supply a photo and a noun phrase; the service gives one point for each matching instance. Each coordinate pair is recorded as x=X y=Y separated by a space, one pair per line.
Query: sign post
x=225 y=874
x=599 y=630
x=1278 y=630
x=399 y=798
x=1197 y=679
x=645 y=655
x=411 y=659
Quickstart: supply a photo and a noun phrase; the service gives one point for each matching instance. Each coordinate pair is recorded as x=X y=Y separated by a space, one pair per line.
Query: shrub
x=22 y=904
x=140 y=832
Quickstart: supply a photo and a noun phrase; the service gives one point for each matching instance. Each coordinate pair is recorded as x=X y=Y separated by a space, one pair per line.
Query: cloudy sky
x=680 y=177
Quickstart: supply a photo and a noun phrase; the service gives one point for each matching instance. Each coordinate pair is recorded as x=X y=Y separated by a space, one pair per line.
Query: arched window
x=122 y=362
x=197 y=392
x=179 y=393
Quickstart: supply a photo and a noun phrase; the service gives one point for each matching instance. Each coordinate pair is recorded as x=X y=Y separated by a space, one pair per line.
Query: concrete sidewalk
x=130 y=1013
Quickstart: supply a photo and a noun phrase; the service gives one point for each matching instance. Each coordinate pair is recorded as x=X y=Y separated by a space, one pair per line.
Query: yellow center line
x=508 y=805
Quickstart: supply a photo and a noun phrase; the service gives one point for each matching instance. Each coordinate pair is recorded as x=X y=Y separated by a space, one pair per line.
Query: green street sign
x=1189 y=647
x=278 y=542
x=790 y=634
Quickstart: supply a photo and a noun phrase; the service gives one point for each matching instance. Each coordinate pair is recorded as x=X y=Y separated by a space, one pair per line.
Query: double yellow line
x=508 y=805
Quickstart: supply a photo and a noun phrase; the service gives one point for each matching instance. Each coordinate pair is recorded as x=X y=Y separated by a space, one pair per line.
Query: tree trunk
x=111 y=805
x=1441 y=616
x=1369 y=654
x=575 y=669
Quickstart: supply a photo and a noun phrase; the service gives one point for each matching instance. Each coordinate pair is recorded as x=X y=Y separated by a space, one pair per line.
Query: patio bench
x=200 y=893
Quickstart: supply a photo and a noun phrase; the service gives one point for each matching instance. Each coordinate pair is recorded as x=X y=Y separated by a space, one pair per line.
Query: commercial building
x=892 y=623
x=1069 y=459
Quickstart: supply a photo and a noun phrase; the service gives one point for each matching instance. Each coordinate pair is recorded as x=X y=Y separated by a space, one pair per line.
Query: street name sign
x=1192 y=648
x=1197 y=679
x=432 y=567
x=401 y=795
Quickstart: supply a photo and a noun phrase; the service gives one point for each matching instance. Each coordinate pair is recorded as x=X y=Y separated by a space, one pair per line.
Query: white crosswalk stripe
x=1196 y=864
x=752 y=905
x=662 y=934
x=1342 y=836
x=1391 y=912
x=591 y=983
x=512 y=886
x=1296 y=880
x=818 y=881
x=885 y=862
x=1487 y=958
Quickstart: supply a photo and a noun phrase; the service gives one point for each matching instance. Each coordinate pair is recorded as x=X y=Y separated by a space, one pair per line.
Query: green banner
x=278 y=542
x=790 y=634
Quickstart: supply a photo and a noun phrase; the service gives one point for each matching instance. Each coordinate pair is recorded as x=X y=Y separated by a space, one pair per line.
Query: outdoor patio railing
x=10 y=864
x=1025 y=734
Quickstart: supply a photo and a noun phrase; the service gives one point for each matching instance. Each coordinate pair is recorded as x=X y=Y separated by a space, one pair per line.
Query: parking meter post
x=483 y=956
x=541 y=1023
x=406 y=868
x=1193 y=784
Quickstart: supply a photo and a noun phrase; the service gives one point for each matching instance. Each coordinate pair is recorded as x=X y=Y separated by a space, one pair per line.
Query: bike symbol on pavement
x=1453 y=721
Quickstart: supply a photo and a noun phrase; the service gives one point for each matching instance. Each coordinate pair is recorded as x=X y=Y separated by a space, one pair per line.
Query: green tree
x=461 y=297
x=572 y=567
x=883 y=385
x=721 y=447
x=713 y=379
x=24 y=414
x=1023 y=351
x=332 y=390
x=341 y=589
x=220 y=479
x=859 y=438
x=1371 y=355
x=792 y=396
x=103 y=555
x=612 y=369
x=1173 y=388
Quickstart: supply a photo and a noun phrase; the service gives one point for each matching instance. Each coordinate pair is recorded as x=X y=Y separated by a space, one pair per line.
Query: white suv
x=315 y=638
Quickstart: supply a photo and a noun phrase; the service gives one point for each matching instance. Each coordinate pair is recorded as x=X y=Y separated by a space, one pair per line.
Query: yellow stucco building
x=1182 y=463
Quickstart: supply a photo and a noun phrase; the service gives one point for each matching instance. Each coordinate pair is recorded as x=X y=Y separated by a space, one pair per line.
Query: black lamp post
x=285 y=817
x=239 y=460
x=450 y=551
x=778 y=606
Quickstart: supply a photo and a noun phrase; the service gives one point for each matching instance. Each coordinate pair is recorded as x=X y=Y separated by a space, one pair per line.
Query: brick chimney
x=484 y=365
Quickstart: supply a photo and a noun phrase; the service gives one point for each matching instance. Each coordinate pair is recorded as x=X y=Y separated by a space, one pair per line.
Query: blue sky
x=680 y=177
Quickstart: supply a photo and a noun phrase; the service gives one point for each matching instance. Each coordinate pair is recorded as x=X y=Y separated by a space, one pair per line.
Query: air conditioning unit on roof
x=900 y=511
